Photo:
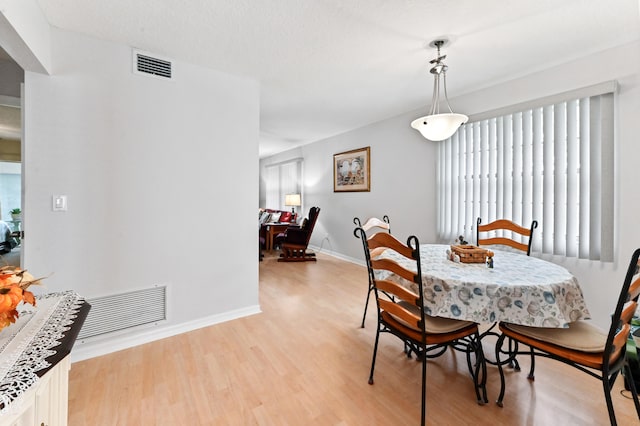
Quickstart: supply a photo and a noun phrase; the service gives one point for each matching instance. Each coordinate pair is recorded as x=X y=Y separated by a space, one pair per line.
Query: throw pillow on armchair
x=275 y=217
x=285 y=217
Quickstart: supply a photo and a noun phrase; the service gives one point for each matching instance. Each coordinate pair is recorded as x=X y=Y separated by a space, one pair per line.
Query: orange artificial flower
x=13 y=290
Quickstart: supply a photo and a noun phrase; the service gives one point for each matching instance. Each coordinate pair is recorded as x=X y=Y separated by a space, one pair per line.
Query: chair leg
x=513 y=347
x=296 y=255
x=366 y=305
x=499 y=364
x=606 y=384
x=423 y=415
x=533 y=366
x=478 y=370
x=632 y=386
x=407 y=349
x=481 y=369
x=470 y=365
x=375 y=351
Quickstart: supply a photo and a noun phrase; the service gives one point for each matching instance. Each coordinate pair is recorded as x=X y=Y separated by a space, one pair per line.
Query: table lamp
x=292 y=200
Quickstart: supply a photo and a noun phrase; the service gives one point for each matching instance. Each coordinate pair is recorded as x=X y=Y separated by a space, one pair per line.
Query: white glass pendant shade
x=436 y=126
x=439 y=127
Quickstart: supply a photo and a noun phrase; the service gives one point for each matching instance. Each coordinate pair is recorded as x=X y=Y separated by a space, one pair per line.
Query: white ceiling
x=329 y=66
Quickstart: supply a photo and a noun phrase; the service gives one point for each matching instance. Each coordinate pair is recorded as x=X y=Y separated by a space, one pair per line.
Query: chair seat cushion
x=439 y=325
x=433 y=325
x=580 y=335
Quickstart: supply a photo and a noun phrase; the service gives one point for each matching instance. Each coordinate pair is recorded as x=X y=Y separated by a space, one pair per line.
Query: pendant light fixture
x=437 y=126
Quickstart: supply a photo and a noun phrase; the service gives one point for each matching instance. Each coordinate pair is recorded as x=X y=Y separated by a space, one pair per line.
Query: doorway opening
x=10 y=211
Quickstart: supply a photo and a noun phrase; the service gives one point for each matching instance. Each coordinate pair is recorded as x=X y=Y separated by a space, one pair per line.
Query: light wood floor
x=305 y=361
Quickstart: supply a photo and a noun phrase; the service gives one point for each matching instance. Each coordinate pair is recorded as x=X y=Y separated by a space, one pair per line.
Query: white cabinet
x=40 y=347
x=45 y=403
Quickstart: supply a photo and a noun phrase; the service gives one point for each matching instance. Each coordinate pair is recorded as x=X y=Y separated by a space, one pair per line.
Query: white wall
x=401 y=185
x=160 y=178
x=25 y=34
x=403 y=169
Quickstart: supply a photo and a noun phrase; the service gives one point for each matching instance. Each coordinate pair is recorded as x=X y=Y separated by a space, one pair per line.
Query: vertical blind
x=552 y=163
x=281 y=179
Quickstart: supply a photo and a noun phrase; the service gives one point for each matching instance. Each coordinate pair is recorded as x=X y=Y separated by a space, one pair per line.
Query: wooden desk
x=271 y=230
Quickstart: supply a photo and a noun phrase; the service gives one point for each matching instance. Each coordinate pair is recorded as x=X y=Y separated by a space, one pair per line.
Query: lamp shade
x=292 y=200
x=439 y=127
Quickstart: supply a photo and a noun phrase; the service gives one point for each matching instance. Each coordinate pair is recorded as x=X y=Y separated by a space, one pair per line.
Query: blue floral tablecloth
x=519 y=289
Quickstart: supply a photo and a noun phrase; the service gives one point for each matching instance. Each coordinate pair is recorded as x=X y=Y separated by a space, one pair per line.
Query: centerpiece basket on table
x=468 y=253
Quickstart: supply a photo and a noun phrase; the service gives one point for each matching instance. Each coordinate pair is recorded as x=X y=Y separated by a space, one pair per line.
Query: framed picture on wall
x=351 y=170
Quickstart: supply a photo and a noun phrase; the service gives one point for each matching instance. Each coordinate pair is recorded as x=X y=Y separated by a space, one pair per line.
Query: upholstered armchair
x=294 y=241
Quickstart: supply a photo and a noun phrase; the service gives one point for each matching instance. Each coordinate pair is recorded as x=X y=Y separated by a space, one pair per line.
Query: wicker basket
x=471 y=254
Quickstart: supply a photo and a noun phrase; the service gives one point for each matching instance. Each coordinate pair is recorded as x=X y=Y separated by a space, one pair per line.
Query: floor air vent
x=146 y=64
x=125 y=310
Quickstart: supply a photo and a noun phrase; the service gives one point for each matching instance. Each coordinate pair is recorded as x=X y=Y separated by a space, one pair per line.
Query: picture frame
x=352 y=170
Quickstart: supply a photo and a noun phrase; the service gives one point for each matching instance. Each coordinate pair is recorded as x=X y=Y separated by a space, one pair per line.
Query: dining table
x=519 y=289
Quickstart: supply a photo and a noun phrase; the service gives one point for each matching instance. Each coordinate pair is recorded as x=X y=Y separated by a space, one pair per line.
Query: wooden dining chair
x=369 y=224
x=587 y=348
x=503 y=232
x=403 y=313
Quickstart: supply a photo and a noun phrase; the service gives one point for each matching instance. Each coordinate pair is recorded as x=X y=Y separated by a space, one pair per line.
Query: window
x=551 y=161
x=281 y=179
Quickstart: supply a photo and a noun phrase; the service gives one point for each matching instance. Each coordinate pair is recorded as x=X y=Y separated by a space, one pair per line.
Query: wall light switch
x=59 y=203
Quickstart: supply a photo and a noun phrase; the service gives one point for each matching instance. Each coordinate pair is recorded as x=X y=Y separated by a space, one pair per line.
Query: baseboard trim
x=117 y=341
x=103 y=345
x=337 y=255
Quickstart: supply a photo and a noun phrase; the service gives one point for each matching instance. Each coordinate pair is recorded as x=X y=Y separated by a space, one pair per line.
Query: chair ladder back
x=625 y=309
x=622 y=334
x=619 y=343
x=361 y=231
x=383 y=239
x=393 y=266
x=628 y=311
x=505 y=224
x=503 y=241
x=376 y=252
x=401 y=313
x=634 y=289
x=398 y=291
x=631 y=286
x=362 y=235
x=403 y=304
x=385 y=244
x=374 y=222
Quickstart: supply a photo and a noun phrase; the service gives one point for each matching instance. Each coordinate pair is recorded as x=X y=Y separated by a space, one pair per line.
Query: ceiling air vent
x=151 y=65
